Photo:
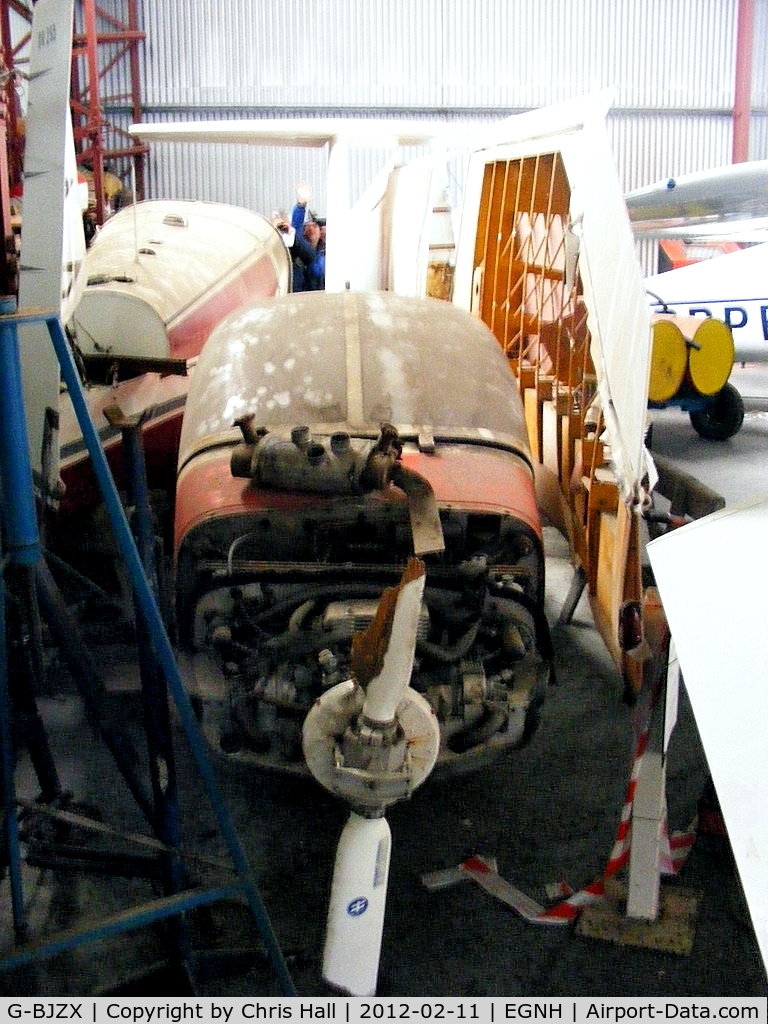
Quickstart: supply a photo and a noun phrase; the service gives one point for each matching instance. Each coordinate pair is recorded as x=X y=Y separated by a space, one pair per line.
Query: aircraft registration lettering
x=735 y=317
x=733 y=310
x=46 y=36
x=696 y=310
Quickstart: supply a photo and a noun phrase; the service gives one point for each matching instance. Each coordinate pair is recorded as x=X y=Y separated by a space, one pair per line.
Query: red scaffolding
x=105 y=56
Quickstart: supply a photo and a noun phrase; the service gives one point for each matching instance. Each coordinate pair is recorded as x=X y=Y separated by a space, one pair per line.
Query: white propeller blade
x=385 y=691
x=371 y=740
x=356 y=911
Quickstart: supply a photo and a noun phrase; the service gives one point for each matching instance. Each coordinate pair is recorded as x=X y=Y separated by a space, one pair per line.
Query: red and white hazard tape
x=672 y=855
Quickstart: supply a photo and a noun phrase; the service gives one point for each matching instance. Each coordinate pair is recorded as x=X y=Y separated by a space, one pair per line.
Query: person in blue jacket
x=308 y=251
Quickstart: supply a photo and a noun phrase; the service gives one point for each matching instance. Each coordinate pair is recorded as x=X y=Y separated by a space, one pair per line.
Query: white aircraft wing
x=52 y=239
x=316 y=132
x=312 y=131
x=726 y=202
x=618 y=318
x=722 y=646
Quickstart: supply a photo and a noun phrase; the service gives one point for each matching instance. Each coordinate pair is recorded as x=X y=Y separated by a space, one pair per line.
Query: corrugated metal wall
x=670 y=62
x=438 y=54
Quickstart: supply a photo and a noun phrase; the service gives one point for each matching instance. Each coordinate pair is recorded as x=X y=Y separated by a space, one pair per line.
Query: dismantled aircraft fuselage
x=327 y=436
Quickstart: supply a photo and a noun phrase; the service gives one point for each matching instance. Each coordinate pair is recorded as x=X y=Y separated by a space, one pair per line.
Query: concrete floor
x=736 y=468
x=548 y=814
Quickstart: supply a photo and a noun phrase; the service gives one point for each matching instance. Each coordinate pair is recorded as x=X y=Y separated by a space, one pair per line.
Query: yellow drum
x=711 y=356
x=669 y=361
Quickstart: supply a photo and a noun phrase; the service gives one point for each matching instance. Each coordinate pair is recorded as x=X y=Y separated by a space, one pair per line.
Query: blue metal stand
x=24 y=549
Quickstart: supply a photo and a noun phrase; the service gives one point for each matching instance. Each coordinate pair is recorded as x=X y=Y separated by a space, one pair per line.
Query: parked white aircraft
x=725 y=203
x=733 y=288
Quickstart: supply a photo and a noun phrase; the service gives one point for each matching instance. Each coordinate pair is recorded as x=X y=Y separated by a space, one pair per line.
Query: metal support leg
x=162 y=646
x=575 y=591
x=24 y=548
x=11 y=824
x=78 y=657
x=157 y=719
x=26 y=674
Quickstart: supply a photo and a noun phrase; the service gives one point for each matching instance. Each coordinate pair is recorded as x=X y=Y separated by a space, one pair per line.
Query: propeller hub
x=369 y=767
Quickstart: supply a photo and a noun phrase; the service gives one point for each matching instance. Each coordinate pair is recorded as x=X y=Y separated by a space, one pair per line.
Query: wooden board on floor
x=671 y=932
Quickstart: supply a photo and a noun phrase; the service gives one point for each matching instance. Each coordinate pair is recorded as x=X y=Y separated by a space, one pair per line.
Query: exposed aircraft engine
x=288 y=532
x=265 y=652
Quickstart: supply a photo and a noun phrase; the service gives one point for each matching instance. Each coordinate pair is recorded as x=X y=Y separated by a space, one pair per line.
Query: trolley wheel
x=722 y=417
